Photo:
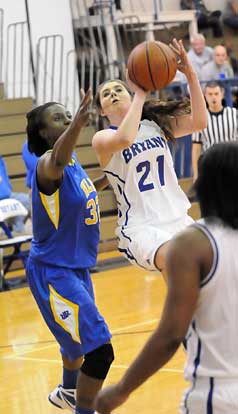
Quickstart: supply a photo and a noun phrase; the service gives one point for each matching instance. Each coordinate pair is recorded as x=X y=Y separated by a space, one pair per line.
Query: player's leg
x=56 y=311
x=145 y=247
x=91 y=377
x=164 y=236
x=66 y=301
x=64 y=395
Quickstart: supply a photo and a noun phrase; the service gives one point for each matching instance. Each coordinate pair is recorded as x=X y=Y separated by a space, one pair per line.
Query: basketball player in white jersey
x=201 y=306
x=137 y=160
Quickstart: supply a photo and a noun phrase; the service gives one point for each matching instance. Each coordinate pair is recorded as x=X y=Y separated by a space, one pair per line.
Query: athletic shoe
x=63 y=398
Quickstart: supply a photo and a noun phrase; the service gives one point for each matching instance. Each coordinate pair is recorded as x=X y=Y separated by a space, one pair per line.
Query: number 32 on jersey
x=92 y=204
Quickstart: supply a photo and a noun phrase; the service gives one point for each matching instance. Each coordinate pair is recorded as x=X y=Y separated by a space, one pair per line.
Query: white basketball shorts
x=139 y=244
x=211 y=395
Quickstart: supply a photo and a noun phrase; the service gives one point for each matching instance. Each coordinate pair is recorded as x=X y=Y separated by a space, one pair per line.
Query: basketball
x=152 y=65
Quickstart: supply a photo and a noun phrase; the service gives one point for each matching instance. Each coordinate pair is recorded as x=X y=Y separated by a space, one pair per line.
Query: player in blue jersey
x=65 y=218
x=136 y=158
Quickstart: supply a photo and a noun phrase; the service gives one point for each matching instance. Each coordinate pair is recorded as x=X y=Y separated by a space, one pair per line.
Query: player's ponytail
x=162 y=111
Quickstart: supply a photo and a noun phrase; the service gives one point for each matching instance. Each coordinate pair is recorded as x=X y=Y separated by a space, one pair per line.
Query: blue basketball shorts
x=66 y=300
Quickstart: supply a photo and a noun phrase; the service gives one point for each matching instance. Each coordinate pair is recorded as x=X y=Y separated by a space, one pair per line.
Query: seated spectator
x=18 y=225
x=219 y=67
x=30 y=160
x=230 y=14
x=199 y=54
x=205 y=18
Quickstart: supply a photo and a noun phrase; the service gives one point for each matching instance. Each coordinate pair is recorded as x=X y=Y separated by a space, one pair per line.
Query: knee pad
x=97 y=363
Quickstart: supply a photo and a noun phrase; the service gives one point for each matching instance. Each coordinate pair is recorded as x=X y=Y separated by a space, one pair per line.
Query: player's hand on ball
x=134 y=87
x=109 y=398
x=183 y=62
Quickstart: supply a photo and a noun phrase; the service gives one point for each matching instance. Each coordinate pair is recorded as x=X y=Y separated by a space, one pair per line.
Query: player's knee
x=97 y=363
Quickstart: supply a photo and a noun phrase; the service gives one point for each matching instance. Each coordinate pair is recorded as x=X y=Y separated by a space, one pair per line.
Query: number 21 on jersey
x=144 y=167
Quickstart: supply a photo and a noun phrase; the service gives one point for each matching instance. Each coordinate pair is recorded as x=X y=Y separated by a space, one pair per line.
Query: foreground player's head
x=217 y=181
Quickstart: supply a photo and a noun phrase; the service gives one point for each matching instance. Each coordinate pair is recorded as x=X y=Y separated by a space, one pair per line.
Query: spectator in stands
x=18 y=223
x=205 y=18
x=222 y=124
x=199 y=54
x=219 y=68
x=230 y=14
x=30 y=160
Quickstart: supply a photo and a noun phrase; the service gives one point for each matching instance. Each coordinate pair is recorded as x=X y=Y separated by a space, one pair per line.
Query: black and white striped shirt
x=222 y=126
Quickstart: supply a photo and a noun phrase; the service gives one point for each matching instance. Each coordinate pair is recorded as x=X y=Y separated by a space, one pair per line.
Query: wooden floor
x=30 y=366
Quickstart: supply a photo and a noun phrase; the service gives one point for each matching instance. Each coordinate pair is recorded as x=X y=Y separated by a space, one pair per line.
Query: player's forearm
x=64 y=146
x=198 y=103
x=130 y=124
x=156 y=353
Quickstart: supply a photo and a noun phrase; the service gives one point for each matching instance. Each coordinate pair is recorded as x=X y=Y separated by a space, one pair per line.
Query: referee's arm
x=196 y=152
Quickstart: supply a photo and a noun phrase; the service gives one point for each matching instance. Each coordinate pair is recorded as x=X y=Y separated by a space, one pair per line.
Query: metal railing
x=18 y=77
x=49 y=68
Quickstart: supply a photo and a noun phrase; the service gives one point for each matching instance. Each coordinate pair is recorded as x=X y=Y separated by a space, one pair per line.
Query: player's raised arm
x=197 y=120
x=52 y=164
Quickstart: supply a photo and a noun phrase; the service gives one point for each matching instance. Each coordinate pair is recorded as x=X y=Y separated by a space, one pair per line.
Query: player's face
x=114 y=96
x=214 y=96
x=56 y=120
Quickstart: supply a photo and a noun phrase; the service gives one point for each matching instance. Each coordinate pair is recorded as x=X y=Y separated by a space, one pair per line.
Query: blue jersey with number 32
x=144 y=181
x=66 y=223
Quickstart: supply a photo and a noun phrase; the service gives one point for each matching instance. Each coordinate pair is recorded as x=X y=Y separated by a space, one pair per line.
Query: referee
x=222 y=123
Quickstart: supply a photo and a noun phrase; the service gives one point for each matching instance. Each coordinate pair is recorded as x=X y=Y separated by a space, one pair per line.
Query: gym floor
x=131 y=301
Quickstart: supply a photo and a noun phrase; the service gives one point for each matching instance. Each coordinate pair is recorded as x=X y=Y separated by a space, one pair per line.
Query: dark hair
x=214 y=84
x=216 y=185
x=162 y=111
x=35 y=122
x=155 y=109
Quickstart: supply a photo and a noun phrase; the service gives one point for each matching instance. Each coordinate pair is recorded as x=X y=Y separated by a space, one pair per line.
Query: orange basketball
x=152 y=65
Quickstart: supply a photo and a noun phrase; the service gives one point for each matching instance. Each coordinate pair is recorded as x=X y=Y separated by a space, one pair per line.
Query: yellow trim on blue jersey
x=87 y=186
x=72 y=162
x=51 y=204
x=67 y=306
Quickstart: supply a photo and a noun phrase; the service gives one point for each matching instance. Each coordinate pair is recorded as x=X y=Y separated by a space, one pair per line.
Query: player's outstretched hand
x=82 y=116
x=184 y=64
x=109 y=398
